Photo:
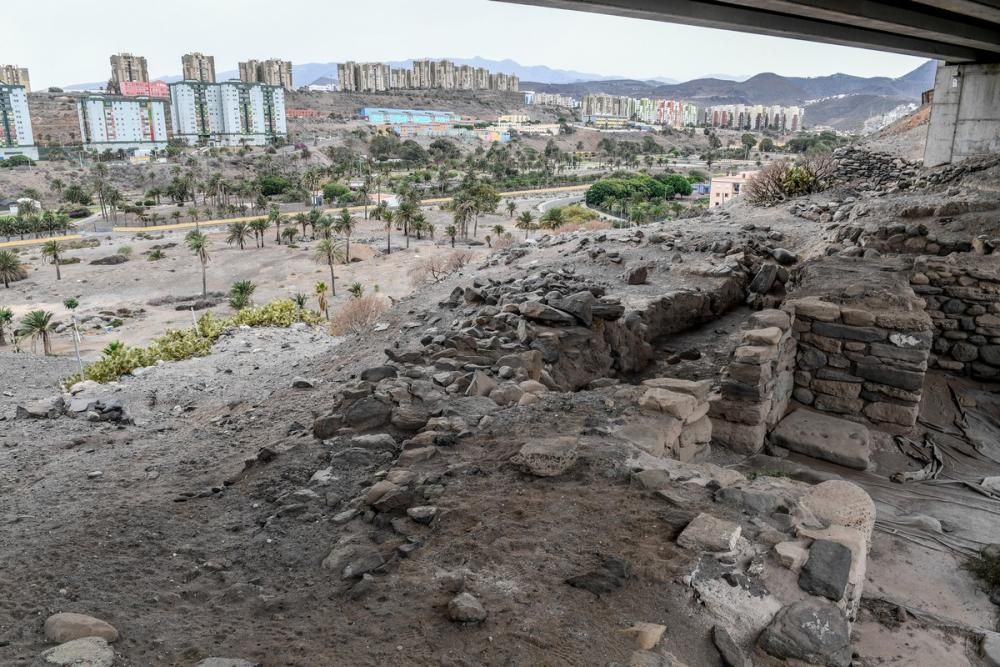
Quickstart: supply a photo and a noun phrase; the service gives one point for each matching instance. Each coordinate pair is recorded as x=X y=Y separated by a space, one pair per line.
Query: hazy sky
x=68 y=41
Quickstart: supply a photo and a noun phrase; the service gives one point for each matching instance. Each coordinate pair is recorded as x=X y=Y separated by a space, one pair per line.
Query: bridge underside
x=957 y=31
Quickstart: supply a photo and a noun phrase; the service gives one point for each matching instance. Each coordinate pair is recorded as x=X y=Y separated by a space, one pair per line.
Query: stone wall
x=860 y=362
x=963 y=302
x=757 y=384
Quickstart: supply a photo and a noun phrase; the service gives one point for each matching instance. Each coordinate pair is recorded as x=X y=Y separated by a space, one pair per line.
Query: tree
x=345 y=224
x=388 y=217
x=552 y=219
x=451 y=232
x=37 y=325
x=11 y=268
x=499 y=230
x=526 y=222
x=511 y=208
x=52 y=249
x=749 y=141
x=324 y=306
x=71 y=304
x=259 y=226
x=241 y=294
x=238 y=234
x=404 y=215
x=329 y=251
x=335 y=192
x=198 y=243
x=274 y=215
x=766 y=145
x=288 y=233
x=6 y=317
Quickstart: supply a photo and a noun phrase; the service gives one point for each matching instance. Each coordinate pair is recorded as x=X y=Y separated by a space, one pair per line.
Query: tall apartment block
x=272 y=72
x=16 y=137
x=110 y=122
x=198 y=67
x=231 y=113
x=127 y=67
x=424 y=75
x=12 y=75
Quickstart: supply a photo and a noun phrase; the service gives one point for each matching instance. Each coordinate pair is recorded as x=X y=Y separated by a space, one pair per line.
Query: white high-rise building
x=16 y=137
x=231 y=113
x=110 y=122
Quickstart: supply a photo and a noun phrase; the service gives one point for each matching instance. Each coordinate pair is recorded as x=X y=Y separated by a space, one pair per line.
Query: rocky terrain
x=645 y=446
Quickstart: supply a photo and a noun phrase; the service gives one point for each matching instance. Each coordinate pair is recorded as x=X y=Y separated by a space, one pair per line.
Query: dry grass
x=358 y=315
x=590 y=226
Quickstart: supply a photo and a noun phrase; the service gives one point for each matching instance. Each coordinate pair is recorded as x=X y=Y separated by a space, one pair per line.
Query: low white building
x=231 y=113
x=111 y=122
x=16 y=137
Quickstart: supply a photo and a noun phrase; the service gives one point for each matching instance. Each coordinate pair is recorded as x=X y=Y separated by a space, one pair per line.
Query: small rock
x=67 y=626
x=83 y=652
x=302 y=383
x=465 y=608
x=813 y=631
x=636 y=275
x=709 y=533
x=784 y=257
x=647 y=635
x=422 y=514
x=827 y=570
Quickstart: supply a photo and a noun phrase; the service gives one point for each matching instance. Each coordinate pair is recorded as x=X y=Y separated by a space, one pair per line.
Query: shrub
x=334 y=192
x=197 y=341
x=155 y=255
x=273 y=185
x=784 y=179
x=358 y=315
x=125 y=250
x=434 y=268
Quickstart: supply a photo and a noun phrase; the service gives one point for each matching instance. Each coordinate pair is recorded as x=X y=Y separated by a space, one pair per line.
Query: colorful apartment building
x=144 y=89
x=111 y=122
x=16 y=137
x=755 y=117
x=231 y=113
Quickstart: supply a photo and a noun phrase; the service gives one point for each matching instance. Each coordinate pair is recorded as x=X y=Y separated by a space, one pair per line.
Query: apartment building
x=198 y=67
x=112 y=122
x=424 y=75
x=755 y=117
x=12 y=75
x=144 y=89
x=727 y=188
x=16 y=137
x=550 y=99
x=127 y=67
x=272 y=72
x=231 y=113
x=676 y=113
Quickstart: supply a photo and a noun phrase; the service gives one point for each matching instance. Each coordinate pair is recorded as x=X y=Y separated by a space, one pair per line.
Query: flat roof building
x=111 y=122
x=12 y=75
x=726 y=188
x=231 y=113
x=127 y=67
x=272 y=72
x=16 y=137
x=198 y=67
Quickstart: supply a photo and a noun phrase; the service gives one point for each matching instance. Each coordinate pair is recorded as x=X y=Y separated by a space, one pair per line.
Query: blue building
x=379 y=116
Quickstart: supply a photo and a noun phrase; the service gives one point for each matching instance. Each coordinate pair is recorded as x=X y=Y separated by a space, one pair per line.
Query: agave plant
x=356 y=290
x=6 y=317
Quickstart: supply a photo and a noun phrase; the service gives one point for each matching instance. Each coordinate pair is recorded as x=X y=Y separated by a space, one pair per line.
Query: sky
x=63 y=42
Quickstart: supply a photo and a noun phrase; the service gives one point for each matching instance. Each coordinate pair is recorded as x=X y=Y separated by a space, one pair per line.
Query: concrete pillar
x=965 y=113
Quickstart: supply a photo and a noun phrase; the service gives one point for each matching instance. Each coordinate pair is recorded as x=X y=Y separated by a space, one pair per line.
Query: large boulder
x=813 y=631
x=67 y=626
x=824 y=437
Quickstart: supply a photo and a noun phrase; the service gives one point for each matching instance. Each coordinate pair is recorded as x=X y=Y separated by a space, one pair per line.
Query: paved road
x=26 y=242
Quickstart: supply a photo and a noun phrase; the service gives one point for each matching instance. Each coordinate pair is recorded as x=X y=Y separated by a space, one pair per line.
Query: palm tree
x=324 y=306
x=388 y=217
x=324 y=226
x=37 y=325
x=197 y=243
x=52 y=249
x=451 y=232
x=364 y=191
x=259 y=226
x=511 y=208
x=499 y=231
x=345 y=225
x=11 y=268
x=420 y=225
x=6 y=317
x=238 y=234
x=241 y=294
x=551 y=219
x=274 y=215
x=526 y=222
x=329 y=251
x=288 y=233
x=405 y=214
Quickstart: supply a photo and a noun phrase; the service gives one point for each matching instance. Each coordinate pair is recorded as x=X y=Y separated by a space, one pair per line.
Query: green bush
x=178 y=344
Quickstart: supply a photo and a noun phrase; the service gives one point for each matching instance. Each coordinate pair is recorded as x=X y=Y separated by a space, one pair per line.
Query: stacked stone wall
x=757 y=384
x=963 y=302
x=858 y=362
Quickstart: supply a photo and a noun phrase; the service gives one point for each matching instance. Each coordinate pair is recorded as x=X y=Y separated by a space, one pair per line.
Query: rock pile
x=963 y=302
x=881 y=173
x=757 y=384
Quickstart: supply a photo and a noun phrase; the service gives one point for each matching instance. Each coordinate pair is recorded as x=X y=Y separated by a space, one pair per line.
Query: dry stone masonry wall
x=963 y=302
x=757 y=384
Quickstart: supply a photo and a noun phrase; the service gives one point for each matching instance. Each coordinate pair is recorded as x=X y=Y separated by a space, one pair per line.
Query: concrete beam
x=965 y=114
x=750 y=18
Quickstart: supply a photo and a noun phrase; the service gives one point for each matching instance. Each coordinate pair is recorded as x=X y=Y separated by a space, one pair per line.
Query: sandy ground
x=278 y=271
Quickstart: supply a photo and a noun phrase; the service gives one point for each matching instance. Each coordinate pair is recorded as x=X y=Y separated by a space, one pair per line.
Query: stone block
x=824 y=437
x=792 y=554
x=827 y=570
x=842 y=406
x=894 y=377
x=857 y=317
x=679 y=406
x=893 y=413
x=845 y=332
x=751 y=374
x=834 y=388
x=755 y=354
x=741 y=438
x=709 y=533
x=814 y=308
x=768 y=336
x=770 y=318
x=742 y=412
x=698 y=389
x=824 y=343
x=547 y=458
x=697 y=433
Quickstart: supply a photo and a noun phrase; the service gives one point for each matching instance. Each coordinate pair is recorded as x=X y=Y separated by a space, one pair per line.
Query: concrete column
x=965 y=113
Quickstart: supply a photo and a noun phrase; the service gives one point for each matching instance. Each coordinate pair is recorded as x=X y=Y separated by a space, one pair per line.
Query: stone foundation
x=963 y=302
x=757 y=384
